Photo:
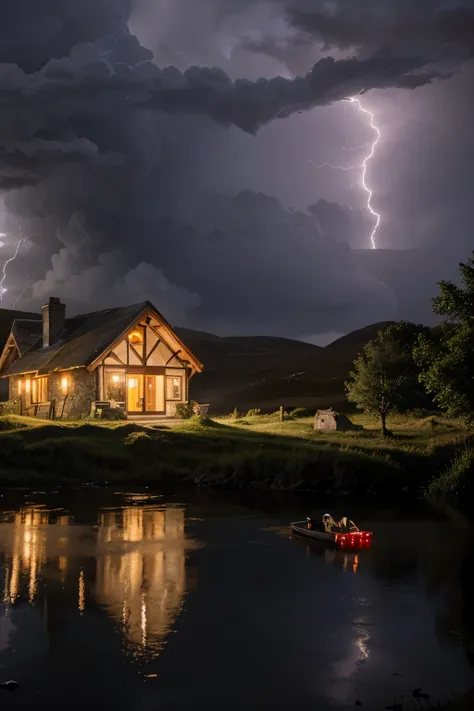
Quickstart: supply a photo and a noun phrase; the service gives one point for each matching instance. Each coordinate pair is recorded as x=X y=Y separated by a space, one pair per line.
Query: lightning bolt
x=363 y=166
x=4 y=265
x=334 y=167
x=355 y=100
x=3 y=274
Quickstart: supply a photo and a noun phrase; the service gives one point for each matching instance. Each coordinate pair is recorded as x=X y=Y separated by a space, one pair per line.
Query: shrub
x=254 y=412
x=458 y=479
x=10 y=407
x=111 y=413
x=276 y=415
x=10 y=423
x=301 y=412
x=186 y=410
x=235 y=414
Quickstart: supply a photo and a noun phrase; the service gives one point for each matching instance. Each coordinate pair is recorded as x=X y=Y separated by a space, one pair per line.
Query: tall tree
x=446 y=357
x=385 y=376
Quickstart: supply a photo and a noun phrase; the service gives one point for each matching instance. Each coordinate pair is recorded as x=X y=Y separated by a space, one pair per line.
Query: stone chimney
x=54 y=314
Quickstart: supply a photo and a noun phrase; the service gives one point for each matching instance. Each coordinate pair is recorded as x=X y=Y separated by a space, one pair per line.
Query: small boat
x=353 y=538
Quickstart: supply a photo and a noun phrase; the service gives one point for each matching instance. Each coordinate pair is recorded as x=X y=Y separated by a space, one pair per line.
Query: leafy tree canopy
x=446 y=356
x=385 y=376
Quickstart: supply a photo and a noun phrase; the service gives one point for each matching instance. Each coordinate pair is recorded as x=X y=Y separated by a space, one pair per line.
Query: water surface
x=132 y=600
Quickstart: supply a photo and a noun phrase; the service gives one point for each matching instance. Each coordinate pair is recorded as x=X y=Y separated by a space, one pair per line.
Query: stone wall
x=12 y=388
x=325 y=420
x=81 y=393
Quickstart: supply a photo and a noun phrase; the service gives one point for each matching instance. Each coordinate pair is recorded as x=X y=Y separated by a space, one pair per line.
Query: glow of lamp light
x=19 y=387
x=64 y=385
x=115 y=378
x=27 y=385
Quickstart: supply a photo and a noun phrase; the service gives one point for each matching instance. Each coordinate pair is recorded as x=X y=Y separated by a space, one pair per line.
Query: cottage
x=331 y=421
x=7 y=317
x=126 y=359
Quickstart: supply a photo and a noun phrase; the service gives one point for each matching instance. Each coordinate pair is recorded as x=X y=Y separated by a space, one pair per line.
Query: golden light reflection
x=142 y=583
x=139 y=577
x=28 y=553
x=355 y=564
x=62 y=565
x=5 y=585
x=82 y=594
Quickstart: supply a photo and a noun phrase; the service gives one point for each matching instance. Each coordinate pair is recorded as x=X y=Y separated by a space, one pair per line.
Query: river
x=134 y=600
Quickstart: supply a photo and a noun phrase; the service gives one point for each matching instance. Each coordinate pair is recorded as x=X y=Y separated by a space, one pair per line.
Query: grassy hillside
x=264 y=372
x=255 y=452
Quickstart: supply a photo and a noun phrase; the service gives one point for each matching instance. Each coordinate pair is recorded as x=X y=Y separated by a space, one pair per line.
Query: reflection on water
x=144 y=585
x=92 y=592
x=348 y=562
x=132 y=564
x=28 y=553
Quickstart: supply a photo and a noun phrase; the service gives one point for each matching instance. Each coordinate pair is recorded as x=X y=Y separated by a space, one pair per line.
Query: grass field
x=255 y=452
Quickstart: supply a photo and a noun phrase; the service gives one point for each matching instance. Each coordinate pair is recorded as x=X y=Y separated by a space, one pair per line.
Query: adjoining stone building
x=127 y=359
x=332 y=421
x=7 y=317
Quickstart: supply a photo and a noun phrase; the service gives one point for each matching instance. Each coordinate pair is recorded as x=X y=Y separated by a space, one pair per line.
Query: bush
x=235 y=414
x=254 y=412
x=186 y=410
x=10 y=407
x=10 y=423
x=111 y=413
x=301 y=412
x=458 y=479
x=276 y=415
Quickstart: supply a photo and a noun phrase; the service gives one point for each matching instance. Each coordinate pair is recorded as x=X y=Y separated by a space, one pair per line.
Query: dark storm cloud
x=250 y=105
x=117 y=159
x=122 y=73
x=343 y=223
x=32 y=32
x=404 y=24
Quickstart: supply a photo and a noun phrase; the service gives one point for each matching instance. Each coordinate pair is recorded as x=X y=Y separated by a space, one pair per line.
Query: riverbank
x=256 y=452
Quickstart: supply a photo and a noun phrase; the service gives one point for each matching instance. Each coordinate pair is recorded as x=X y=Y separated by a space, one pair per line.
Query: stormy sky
x=180 y=151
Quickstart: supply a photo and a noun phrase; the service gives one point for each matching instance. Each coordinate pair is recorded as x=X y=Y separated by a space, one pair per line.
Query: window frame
x=175 y=377
x=139 y=347
x=110 y=372
x=37 y=390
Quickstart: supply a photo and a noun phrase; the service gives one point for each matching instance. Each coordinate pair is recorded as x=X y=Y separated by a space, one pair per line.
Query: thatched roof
x=7 y=317
x=82 y=340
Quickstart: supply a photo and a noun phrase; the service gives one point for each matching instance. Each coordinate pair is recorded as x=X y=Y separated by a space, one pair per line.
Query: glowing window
x=174 y=388
x=39 y=390
x=115 y=386
x=136 y=338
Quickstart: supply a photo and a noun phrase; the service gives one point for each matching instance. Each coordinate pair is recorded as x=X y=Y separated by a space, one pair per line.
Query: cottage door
x=135 y=393
x=154 y=393
x=150 y=393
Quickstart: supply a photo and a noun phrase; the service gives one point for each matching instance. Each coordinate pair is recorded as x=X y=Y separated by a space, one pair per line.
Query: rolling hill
x=266 y=372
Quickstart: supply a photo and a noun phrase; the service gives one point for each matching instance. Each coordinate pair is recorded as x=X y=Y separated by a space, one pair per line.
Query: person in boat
x=327 y=524
x=330 y=526
x=346 y=525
